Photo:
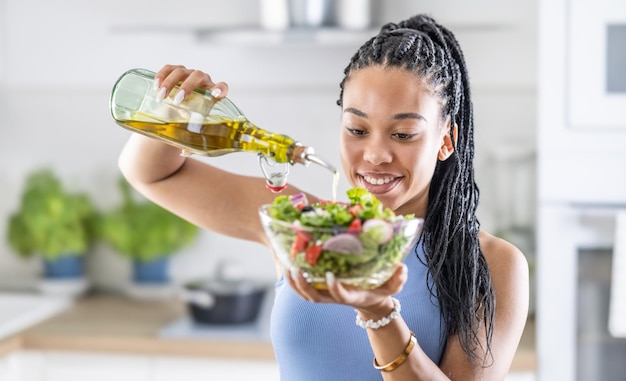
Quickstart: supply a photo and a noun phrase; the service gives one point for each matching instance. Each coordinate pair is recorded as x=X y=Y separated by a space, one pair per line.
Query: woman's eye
x=355 y=132
x=402 y=136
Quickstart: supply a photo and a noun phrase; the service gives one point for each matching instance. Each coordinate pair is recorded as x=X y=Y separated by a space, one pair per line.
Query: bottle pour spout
x=307 y=156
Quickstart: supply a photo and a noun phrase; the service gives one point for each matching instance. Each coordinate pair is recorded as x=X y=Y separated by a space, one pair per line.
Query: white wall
x=2 y=38
x=56 y=79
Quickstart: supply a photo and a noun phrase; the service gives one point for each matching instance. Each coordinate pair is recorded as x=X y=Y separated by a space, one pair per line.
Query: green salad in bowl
x=360 y=241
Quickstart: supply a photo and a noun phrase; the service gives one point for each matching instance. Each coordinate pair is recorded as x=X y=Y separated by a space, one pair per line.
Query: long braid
x=458 y=270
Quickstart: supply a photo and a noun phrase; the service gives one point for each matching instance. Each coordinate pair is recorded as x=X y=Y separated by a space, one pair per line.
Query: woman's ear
x=447 y=147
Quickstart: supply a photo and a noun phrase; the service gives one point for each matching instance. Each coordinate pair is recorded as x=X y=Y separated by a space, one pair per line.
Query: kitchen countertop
x=117 y=324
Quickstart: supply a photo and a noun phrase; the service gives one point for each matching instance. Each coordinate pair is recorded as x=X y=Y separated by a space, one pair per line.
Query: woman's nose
x=377 y=153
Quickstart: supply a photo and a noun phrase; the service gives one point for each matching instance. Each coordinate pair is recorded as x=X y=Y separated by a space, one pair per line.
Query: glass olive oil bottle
x=203 y=125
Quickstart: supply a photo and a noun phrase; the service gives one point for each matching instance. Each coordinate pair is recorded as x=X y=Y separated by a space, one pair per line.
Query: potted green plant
x=146 y=234
x=54 y=224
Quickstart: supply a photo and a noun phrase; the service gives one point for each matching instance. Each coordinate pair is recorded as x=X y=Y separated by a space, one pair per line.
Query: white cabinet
x=6 y=372
x=64 y=366
x=580 y=178
x=75 y=366
x=173 y=369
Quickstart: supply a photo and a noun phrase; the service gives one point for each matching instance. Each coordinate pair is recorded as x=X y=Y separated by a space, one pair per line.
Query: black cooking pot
x=224 y=301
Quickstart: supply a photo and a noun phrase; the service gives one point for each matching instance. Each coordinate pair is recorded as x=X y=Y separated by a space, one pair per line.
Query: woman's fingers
x=165 y=71
x=337 y=293
x=220 y=90
x=169 y=76
x=301 y=286
x=193 y=79
x=189 y=79
x=363 y=298
x=396 y=281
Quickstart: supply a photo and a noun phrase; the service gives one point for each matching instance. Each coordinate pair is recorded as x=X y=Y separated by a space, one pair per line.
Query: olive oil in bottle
x=220 y=138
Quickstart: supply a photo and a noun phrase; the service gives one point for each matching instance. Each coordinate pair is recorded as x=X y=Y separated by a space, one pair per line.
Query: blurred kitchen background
x=549 y=132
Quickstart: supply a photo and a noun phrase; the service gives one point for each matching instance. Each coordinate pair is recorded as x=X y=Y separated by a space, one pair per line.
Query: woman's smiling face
x=392 y=135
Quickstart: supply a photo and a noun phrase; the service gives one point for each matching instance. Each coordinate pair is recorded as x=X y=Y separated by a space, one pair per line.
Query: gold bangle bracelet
x=400 y=359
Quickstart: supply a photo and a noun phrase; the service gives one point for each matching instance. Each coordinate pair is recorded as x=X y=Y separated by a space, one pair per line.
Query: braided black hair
x=457 y=267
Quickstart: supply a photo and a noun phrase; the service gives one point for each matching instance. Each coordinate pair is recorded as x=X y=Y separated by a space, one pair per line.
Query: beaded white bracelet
x=383 y=321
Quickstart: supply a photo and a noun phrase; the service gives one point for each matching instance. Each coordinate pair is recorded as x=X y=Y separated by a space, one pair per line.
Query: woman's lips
x=378 y=184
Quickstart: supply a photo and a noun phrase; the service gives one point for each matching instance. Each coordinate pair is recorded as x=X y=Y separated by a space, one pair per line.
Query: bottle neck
x=298 y=154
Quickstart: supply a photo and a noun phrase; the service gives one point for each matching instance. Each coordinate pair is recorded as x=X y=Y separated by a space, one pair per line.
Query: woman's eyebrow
x=355 y=112
x=409 y=115
x=404 y=115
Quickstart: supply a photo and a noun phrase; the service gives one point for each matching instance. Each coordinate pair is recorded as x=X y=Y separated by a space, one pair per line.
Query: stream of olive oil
x=335 y=185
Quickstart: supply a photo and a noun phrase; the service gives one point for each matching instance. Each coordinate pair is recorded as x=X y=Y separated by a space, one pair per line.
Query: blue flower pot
x=151 y=272
x=64 y=267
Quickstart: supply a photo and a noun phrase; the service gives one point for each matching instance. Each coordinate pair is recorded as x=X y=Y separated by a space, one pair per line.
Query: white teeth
x=378 y=181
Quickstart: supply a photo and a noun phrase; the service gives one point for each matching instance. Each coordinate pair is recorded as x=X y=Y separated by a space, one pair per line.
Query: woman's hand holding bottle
x=189 y=79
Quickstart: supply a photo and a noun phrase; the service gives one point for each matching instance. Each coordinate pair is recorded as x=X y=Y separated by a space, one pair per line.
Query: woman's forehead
x=378 y=86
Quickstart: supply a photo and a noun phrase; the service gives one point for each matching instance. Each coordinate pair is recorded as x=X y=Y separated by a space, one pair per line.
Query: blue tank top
x=321 y=342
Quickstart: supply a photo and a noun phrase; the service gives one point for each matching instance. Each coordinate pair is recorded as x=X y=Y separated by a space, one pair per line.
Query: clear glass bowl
x=356 y=259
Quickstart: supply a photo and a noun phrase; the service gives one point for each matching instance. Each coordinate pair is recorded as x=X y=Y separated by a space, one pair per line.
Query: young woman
x=406 y=136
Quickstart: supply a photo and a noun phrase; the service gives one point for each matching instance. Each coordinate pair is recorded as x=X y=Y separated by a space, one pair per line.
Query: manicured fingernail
x=161 y=94
x=178 y=99
x=216 y=92
x=157 y=84
x=330 y=279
